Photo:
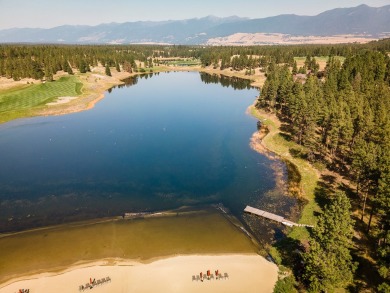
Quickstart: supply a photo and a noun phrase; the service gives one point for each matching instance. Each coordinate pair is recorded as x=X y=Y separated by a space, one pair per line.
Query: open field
x=321 y=60
x=183 y=63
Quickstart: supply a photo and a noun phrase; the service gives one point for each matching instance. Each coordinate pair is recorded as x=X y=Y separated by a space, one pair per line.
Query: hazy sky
x=51 y=13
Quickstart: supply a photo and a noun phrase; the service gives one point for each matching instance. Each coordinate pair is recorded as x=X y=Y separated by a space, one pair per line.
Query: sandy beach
x=240 y=273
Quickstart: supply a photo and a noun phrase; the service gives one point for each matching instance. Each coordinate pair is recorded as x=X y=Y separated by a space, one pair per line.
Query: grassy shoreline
x=276 y=142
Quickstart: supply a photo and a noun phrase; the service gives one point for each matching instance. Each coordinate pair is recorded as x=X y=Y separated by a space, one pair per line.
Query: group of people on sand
x=24 y=291
x=93 y=282
x=209 y=275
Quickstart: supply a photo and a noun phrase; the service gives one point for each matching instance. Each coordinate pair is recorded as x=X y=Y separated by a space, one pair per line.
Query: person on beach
x=216 y=274
x=201 y=276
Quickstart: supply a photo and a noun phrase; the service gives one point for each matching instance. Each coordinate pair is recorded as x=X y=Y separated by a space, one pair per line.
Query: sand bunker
x=61 y=100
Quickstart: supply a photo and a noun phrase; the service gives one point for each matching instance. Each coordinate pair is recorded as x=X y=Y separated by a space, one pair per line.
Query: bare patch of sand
x=9 y=83
x=61 y=100
x=244 y=273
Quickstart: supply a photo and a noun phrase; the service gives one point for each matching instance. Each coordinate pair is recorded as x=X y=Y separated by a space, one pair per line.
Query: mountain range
x=360 y=20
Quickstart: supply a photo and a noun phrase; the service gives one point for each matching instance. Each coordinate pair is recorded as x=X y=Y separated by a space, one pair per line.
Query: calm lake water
x=169 y=140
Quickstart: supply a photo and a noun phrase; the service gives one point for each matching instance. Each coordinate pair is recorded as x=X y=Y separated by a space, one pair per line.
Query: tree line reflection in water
x=226 y=81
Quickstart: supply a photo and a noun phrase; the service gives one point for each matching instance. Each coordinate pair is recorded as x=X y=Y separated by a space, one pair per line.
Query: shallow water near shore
x=161 y=142
x=180 y=232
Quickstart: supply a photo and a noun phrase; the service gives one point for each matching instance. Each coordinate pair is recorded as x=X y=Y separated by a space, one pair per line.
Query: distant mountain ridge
x=360 y=20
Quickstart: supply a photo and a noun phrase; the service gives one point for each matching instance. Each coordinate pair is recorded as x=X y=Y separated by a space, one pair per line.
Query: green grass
x=184 y=63
x=309 y=179
x=24 y=101
x=37 y=95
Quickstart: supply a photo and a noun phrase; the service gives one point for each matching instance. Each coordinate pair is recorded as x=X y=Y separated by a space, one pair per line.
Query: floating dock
x=273 y=217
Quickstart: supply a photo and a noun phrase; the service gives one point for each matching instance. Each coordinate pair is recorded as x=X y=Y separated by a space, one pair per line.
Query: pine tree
x=66 y=67
x=328 y=264
x=382 y=229
x=108 y=71
x=295 y=68
x=365 y=166
x=48 y=74
x=82 y=65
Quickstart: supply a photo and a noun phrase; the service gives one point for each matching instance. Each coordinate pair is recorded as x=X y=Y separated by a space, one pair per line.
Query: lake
x=159 y=142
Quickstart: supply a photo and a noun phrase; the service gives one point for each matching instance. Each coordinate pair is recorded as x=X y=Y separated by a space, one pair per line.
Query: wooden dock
x=273 y=217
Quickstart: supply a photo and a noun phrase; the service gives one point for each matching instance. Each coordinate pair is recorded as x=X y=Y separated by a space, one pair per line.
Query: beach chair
x=81 y=288
x=193 y=278
x=212 y=277
x=108 y=279
x=197 y=278
x=226 y=276
x=98 y=282
x=208 y=275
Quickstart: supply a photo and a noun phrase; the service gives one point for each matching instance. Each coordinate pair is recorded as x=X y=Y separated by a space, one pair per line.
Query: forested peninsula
x=326 y=109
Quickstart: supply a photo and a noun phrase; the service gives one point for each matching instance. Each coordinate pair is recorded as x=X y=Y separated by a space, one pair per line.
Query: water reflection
x=133 y=80
x=226 y=81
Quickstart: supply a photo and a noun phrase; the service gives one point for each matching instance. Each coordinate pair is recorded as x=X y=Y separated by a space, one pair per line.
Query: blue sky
x=51 y=13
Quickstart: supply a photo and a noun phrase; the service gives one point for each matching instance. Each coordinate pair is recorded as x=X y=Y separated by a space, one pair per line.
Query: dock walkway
x=273 y=217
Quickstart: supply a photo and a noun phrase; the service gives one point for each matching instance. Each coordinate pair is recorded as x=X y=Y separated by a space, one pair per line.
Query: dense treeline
x=328 y=264
x=243 y=57
x=341 y=117
x=42 y=61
